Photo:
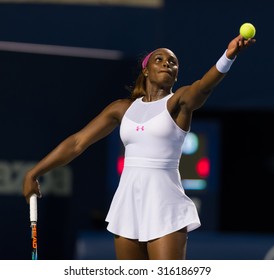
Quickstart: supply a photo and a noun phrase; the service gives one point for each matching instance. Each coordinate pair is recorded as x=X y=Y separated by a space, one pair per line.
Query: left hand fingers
x=242 y=43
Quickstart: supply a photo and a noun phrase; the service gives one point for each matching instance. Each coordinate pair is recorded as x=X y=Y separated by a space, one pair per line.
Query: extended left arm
x=196 y=94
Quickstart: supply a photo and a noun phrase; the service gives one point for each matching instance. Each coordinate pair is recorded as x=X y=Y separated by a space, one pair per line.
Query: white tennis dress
x=150 y=201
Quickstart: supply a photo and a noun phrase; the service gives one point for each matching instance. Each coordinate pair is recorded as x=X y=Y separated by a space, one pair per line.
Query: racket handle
x=33 y=208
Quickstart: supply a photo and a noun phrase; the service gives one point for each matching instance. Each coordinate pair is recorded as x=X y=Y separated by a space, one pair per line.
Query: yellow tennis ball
x=247 y=30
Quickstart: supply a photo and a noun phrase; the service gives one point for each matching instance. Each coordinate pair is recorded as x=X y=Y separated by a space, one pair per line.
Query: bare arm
x=75 y=145
x=195 y=95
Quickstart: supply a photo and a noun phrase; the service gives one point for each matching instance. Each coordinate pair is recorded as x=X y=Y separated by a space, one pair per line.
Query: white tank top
x=150 y=135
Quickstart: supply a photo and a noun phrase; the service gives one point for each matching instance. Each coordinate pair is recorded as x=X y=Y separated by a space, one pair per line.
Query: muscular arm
x=189 y=98
x=195 y=95
x=76 y=144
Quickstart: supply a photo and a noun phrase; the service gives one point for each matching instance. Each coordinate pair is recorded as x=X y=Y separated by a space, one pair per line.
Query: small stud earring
x=146 y=74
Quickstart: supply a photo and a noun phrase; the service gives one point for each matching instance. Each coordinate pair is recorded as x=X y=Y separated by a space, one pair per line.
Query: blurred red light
x=203 y=167
x=120 y=164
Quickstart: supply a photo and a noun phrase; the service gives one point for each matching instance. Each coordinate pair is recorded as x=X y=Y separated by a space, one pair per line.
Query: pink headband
x=145 y=60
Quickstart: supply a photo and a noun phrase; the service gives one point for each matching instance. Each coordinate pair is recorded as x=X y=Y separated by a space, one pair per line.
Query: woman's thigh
x=169 y=247
x=130 y=249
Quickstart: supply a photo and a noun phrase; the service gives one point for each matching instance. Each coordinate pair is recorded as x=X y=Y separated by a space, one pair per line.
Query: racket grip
x=33 y=208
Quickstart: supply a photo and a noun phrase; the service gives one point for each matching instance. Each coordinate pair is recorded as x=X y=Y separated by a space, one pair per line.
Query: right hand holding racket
x=31 y=186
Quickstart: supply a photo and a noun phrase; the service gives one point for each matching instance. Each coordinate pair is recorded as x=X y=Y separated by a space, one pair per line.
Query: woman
x=150 y=215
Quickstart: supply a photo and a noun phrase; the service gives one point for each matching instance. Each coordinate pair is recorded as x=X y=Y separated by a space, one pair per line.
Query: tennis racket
x=33 y=225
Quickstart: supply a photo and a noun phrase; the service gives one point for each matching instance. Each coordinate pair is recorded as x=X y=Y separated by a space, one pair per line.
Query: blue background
x=43 y=99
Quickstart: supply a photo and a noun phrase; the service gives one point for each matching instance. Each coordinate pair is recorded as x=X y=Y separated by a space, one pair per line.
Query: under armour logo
x=140 y=128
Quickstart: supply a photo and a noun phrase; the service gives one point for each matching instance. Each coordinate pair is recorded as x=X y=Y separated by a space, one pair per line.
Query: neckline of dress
x=150 y=102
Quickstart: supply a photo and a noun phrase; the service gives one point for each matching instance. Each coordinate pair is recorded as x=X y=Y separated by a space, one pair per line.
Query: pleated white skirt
x=150 y=203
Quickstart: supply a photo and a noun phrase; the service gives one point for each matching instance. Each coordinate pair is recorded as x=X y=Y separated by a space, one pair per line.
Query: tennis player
x=150 y=214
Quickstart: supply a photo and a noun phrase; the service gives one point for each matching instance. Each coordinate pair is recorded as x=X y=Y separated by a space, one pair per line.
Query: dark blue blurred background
x=45 y=98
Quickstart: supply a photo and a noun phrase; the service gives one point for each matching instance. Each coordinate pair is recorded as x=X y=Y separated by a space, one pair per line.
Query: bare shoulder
x=182 y=91
x=178 y=96
x=121 y=105
x=118 y=108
